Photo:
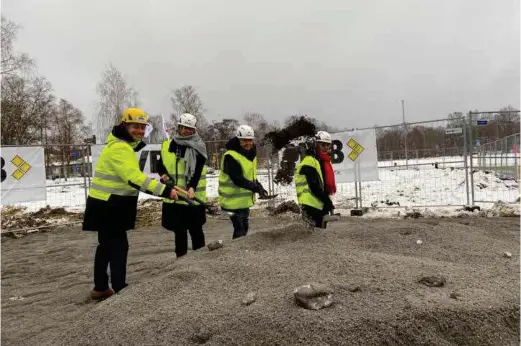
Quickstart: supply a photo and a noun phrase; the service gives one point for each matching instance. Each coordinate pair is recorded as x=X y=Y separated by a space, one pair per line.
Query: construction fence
x=462 y=161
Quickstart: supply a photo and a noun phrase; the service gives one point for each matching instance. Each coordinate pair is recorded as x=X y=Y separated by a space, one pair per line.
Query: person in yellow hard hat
x=112 y=201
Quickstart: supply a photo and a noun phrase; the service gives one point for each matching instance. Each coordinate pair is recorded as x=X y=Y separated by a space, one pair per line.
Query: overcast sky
x=349 y=63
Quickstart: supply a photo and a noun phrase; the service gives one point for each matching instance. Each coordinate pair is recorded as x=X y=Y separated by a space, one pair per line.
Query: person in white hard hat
x=315 y=180
x=183 y=164
x=238 y=179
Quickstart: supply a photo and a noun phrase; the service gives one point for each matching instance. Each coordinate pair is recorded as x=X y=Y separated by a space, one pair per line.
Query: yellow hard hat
x=134 y=115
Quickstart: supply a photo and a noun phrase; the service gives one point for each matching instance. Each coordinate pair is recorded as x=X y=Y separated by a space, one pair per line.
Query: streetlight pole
x=405 y=127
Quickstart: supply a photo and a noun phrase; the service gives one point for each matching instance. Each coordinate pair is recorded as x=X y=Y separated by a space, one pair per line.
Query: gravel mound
x=373 y=268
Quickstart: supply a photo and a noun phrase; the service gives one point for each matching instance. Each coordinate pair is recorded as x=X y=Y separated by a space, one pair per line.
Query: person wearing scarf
x=180 y=217
x=315 y=180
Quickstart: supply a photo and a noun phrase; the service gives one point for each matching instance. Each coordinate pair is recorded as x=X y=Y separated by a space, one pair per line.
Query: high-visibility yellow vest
x=231 y=196
x=176 y=169
x=304 y=195
x=117 y=168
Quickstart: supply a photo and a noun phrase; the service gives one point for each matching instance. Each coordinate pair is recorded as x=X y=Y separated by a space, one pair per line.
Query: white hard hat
x=245 y=132
x=187 y=120
x=323 y=136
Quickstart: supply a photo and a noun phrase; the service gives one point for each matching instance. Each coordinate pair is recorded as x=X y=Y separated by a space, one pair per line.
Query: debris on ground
x=507 y=254
x=16 y=221
x=284 y=207
x=313 y=296
x=433 y=281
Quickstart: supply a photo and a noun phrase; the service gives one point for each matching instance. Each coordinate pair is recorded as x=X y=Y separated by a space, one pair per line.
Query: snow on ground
x=421 y=186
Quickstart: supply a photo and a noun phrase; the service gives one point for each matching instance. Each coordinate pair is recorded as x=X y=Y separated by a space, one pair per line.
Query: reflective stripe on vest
x=304 y=195
x=106 y=182
x=176 y=168
x=231 y=196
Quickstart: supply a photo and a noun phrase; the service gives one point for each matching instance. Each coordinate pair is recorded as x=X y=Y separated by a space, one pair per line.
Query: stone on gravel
x=455 y=295
x=215 y=245
x=313 y=296
x=433 y=281
x=507 y=254
x=354 y=288
x=202 y=336
x=249 y=299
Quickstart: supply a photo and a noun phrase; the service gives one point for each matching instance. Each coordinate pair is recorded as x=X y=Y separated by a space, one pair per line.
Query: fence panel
x=431 y=173
x=495 y=162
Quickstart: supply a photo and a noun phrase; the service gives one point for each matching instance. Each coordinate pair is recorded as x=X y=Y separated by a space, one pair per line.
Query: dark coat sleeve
x=160 y=167
x=313 y=180
x=199 y=165
x=234 y=170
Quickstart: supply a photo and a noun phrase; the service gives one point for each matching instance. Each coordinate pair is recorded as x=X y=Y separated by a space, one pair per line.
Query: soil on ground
x=374 y=267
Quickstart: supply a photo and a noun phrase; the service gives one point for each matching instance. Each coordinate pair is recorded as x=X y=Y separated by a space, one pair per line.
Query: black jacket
x=119 y=212
x=234 y=169
x=180 y=150
x=313 y=179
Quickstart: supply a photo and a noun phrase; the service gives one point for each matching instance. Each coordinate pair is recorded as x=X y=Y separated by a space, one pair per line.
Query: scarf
x=194 y=144
x=329 y=174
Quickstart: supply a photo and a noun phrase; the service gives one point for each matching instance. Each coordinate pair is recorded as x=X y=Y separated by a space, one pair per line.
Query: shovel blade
x=268 y=197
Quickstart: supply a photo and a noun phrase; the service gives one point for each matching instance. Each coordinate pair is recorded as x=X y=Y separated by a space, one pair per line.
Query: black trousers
x=315 y=215
x=112 y=250
x=181 y=239
x=240 y=221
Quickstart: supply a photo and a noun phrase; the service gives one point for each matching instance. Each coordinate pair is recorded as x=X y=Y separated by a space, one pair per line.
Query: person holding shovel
x=315 y=181
x=183 y=165
x=112 y=201
x=238 y=179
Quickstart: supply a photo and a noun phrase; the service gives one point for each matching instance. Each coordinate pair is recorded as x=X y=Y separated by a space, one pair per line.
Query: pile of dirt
x=15 y=219
x=285 y=207
x=373 y=268
x=300 y=128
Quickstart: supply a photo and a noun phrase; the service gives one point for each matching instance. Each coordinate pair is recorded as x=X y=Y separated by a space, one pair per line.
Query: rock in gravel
x=249 y=299
x=353 y=288
x=215 y=245
x=507 y=254
x=455 y=295
x=313 y=296
x=433 y=281
x=202 y=336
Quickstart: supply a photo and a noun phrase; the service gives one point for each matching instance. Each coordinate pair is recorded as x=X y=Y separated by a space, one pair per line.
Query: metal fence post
x=359 y=177
x=471 y=149
x=85 y=157
x=466 y=164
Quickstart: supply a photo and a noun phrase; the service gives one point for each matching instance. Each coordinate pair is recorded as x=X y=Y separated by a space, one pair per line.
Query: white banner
x=358 y=147
x=23 y=175
x=350 y=148
x=147 y=157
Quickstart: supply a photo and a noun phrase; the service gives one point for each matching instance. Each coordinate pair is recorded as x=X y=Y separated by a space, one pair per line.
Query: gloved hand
x=328 y=206
x=257 y=187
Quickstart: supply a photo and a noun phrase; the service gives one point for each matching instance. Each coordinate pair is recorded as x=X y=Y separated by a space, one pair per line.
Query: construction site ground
x=374 y=268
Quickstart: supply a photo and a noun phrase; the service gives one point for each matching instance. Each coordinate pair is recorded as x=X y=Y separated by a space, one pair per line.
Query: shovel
x=212 y=210
x=329 y=218
x=268 y=196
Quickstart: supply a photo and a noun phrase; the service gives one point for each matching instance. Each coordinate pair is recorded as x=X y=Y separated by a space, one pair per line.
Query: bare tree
x=67 y=128
x=12 y=62
x=27 y=105
x=187 y=100
x=115 y=96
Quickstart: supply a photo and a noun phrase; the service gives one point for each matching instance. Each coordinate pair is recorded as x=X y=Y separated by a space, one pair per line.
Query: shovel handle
x=195 y=198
